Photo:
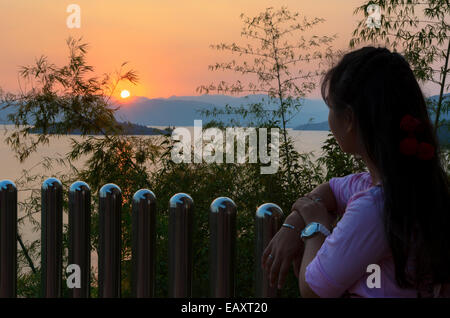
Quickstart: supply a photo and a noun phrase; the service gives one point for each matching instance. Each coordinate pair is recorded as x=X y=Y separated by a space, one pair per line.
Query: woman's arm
x=312 y=246
x=312 y=211
x=322 y=194
x=287 y=246
x=331 y=266
x=325 y=194
x=284 y=247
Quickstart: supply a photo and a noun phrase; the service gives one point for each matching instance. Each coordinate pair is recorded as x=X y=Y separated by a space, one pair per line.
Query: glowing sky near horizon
x=167 y=42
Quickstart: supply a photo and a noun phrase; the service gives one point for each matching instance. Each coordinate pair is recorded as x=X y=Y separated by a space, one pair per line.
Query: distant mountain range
x=183 y=110
x=314 y=126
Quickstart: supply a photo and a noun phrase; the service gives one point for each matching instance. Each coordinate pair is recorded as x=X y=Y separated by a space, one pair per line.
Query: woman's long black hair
x=380 y=88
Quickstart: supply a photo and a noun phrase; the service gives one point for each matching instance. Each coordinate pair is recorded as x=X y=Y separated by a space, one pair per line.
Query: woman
x=392 y=238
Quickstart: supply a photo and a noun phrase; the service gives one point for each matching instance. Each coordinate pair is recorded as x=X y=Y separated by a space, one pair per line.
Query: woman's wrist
x=296 y=220
x=324 y=194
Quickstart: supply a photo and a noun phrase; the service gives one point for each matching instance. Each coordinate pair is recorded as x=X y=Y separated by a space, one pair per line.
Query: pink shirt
x=358 y=240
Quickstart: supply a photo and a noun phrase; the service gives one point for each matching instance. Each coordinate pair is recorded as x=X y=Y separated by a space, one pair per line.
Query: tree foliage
x=420 y=31
x=276 y=59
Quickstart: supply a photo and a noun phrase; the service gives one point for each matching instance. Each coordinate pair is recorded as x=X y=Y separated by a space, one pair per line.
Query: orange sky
x=166 y=41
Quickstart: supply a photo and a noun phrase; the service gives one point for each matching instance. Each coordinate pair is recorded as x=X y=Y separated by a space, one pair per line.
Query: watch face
x=310 y=229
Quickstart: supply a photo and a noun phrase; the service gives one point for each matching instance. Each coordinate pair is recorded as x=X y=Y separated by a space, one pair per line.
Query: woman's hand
x=297 y=263
x=314 y=211
x=284 y=247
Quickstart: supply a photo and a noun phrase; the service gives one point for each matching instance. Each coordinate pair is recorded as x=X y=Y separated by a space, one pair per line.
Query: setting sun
x=125 y=94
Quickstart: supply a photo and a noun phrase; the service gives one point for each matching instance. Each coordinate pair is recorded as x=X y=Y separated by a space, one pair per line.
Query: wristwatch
x=313 y=228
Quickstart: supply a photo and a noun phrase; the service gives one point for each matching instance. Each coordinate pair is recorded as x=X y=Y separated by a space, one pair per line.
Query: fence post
x=79 y=235
x=8 y=239
x=269 y=218
x=109 y=252
x=51 y=238
x=181 y=217
x=222 y=247
x=143 y=243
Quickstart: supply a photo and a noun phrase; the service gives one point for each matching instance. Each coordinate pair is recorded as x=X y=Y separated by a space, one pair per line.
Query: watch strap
x=322 y=229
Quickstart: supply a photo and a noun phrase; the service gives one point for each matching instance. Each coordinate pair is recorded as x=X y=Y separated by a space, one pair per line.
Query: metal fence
x=222 y=221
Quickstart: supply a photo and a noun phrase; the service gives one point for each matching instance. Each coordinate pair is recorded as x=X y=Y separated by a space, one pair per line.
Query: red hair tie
x=425 y=151
x=409 y=146
x=409 y=124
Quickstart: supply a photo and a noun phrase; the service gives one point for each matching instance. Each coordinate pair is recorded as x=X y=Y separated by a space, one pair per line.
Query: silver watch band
x=324 y=230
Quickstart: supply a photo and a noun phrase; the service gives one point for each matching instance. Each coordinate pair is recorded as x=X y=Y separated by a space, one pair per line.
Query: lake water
x=12 y=169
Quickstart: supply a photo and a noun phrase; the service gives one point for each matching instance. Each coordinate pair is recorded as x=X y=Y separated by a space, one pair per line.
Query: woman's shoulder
x=365 y=211
x=354 y=176
x=350 y=184
x=368 y=199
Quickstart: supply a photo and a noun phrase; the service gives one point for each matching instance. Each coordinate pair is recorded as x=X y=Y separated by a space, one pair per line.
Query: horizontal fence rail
x=222 y=223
